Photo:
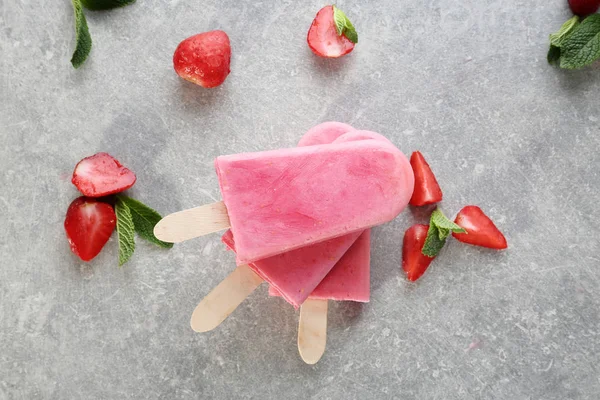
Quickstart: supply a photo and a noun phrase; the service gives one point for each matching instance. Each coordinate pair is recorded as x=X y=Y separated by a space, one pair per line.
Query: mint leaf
x=105 y=4
x=442 y=222
x=439 y=230
x=343 y=26
x=557 y=38
x=582 y=47
x=433 y=242
x=144 y=220
x=83 y=39
x=553 y=54
x=443 y=233
x=125 y=231
x=339 y=19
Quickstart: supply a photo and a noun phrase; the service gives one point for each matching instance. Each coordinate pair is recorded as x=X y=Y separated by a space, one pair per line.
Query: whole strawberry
x=584 y=7
x=204 y=58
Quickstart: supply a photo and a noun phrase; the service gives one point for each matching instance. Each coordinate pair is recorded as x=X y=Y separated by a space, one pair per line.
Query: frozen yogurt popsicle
x=324 y=133
x=296 y=273
x=349 y=279
x=281 y=200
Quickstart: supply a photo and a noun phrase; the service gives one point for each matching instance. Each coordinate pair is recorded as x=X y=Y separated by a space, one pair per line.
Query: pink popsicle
x=296 y=273
x=349 y=280
x=281 y=200
x=324 y=133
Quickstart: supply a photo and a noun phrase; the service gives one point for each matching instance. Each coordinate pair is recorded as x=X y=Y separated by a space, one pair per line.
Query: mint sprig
x=83 y=40
x=144 y=220
x=582 y=47
x=343 y=26
x=576 y=44
x=440 y=228
x=134 y=216
x=125 y=229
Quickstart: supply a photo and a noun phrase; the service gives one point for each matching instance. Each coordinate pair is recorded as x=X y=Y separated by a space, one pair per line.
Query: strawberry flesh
x=323 y=38
x=89 y=224
x=100 y=175
x=481 y=231
x=414 y=262
x=204 y=59
x=584 y=7
x=427 y=190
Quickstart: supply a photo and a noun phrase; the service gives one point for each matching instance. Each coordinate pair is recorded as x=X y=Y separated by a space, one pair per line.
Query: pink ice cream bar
x=295 y=274
x=280 y=200
x=349 y=280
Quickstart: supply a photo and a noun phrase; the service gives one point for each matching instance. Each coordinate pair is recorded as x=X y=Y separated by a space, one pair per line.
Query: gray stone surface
x=465 y=82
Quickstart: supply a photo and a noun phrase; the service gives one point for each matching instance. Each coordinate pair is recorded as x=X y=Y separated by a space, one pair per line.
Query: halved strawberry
x=414 y=262
x=427 y=190
x=481 y=231
x=89 y=224
x=331 y=33
x=100 y=175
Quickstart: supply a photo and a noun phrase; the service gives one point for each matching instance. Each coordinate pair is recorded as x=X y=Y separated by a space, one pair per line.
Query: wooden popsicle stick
x=224 y=298
x=312 y=330
x=191 y=223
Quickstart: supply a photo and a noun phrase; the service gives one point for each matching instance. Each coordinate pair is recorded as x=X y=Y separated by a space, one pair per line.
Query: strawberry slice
x=414 y=262
x=89 y=224
x=331 y=33
x=100 y=175
x=427 y=190
x=481 y=231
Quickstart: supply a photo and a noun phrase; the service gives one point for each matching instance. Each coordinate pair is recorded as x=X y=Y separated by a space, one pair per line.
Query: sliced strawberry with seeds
x=331 y=33
x=414 y=262
x=89 y=224
x=427 y=190
x=100 y=175
x=481 y=231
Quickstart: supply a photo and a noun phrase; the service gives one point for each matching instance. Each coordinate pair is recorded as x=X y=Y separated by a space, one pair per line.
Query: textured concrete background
x=465 y=82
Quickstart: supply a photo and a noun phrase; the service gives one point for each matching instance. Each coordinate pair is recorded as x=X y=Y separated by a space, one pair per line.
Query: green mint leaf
x=105 y=4
x=557 y=38
x=83 y=39
x=144 y=220
x=443 y=233
x=343 y=26
x=582 y=47
x=339 y=18
x=433 y=242
x=442 y=222
x=553 y=54
x=439 y=230
x=125 y=230
x=350 y=32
